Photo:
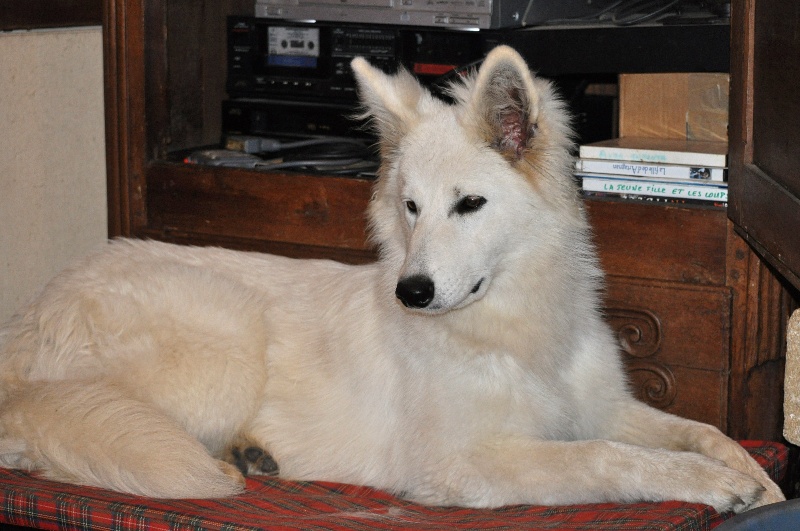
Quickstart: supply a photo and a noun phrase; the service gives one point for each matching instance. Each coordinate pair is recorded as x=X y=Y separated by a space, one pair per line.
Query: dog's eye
x=470 y=203
x=411 y=206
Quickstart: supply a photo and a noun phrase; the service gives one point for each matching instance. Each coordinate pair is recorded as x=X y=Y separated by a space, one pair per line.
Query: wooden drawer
x=659 y=241
x=675 y=343
x=284 y=213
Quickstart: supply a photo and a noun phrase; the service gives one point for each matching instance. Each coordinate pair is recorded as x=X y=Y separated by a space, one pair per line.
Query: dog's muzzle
x=415 y=291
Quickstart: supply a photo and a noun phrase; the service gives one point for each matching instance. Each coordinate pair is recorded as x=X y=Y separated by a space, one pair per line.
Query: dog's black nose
x=415 y=291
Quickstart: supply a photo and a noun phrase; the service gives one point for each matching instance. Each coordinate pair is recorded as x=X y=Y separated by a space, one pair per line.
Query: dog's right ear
x=391 y=101
x=505 y=102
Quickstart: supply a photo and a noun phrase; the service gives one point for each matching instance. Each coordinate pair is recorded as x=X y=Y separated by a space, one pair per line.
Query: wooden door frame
x=764 y=212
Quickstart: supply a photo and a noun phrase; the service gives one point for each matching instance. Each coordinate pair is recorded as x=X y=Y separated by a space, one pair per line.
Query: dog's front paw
x=771 y=494
x=734 y=491
x=249 y=458
x=699 y=479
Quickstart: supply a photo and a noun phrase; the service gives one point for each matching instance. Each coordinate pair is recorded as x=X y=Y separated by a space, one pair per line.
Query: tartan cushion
x=275 y=504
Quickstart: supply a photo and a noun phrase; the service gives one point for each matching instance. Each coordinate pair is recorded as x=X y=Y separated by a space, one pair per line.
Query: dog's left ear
x=504 y=102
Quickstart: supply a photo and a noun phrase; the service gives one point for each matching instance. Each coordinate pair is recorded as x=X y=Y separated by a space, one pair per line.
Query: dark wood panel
x=187 y=68
x=767 y=215
x=273 y=207
x=764 y=131
x=660 y=242
x=700 y=395
x=124 y=38
x=31 y=14
x=758 y=344
x=185 y=42
x=776 y=107
x=678 y=324
x=339 y=254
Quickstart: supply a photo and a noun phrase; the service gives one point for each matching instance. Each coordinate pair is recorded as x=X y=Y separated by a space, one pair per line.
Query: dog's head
x=466 y=189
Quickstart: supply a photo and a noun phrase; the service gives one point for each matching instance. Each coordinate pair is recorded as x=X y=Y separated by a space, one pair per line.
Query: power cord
x=331 y=155
x=258 y=144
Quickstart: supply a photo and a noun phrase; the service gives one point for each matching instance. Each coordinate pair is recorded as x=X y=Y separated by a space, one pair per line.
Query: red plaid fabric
x=276 y=504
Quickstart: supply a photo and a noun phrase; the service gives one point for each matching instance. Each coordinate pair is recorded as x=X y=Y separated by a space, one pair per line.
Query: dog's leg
x=515 y=470
x=94 y=433
x=250 y=458
x=643 y=425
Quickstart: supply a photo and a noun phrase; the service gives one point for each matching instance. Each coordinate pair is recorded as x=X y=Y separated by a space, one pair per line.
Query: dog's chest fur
x=425 y=410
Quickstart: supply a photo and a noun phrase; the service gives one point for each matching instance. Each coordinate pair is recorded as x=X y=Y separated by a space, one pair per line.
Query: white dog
x=164 y=370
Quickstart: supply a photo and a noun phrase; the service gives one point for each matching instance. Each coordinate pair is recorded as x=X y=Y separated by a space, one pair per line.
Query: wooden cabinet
x=698 y=315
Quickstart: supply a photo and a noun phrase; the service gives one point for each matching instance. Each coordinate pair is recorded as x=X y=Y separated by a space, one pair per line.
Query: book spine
x=653 y=199
x=659 y=171
x=646 y=187
x=649 y=156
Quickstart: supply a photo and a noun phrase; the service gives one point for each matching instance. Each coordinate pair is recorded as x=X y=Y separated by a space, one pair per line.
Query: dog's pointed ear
x=391 y=101
x=504 y=102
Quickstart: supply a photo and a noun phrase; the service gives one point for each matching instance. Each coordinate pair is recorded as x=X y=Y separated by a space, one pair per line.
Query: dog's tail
x=94 y=433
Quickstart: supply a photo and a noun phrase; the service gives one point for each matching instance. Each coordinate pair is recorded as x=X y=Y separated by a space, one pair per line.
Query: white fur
x=138 y=368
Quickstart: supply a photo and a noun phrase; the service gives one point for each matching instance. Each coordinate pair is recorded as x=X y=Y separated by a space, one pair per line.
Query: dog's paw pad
x=262 y=460
x=253 y=460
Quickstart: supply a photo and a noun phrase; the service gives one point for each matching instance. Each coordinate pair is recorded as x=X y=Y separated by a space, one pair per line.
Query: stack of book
x=681 y=171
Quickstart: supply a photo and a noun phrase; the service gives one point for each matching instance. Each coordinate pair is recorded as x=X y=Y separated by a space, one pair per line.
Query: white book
x=658 y=151
x=654 y=171
x=677 y=189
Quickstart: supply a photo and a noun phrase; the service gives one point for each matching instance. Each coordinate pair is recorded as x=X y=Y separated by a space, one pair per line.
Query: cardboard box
x=690 y=106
